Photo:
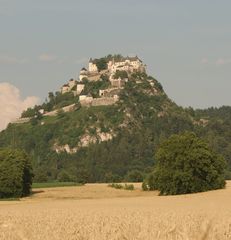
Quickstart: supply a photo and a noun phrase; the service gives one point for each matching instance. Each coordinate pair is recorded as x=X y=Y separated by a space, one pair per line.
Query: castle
x=108 y=96
x=112 y=65
x=128 y=64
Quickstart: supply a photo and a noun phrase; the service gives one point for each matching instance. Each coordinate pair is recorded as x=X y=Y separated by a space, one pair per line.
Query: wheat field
x=97 y=212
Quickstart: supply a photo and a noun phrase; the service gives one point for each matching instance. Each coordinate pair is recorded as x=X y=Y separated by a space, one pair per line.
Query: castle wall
x=79 y=88
x=21 y=120
x=110 y=92
x=105 y=101
x=65 y=109
x=94 y=77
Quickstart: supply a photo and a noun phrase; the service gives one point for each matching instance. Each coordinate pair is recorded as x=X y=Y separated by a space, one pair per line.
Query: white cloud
x=11 y=103
x=45 y=57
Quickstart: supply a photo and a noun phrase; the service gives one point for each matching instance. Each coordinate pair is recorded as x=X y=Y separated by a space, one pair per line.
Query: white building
x=123 y=64
x=129 y=64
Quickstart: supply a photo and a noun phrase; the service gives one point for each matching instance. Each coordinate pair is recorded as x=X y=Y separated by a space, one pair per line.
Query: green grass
x=55 y=184
x=49 y=119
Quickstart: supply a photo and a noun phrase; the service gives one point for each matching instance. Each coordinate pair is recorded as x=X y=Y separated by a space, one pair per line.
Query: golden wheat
x=97 y=212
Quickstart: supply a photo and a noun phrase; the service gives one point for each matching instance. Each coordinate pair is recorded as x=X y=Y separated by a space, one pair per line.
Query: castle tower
x=92 y=66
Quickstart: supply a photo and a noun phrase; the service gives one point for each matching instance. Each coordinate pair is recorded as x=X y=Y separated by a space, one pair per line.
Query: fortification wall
x=21 y=120
x=105 y=101
x=65 y=109
x=94 y=77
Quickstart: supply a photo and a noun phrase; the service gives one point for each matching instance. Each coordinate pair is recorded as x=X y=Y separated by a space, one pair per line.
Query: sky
x=186 y=45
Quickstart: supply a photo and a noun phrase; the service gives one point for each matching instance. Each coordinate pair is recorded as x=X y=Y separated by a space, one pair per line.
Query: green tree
x=15 y=173
x=64 y=176
x=134 y=176
x=120 y=74
x=185 y=164
x=101 y=64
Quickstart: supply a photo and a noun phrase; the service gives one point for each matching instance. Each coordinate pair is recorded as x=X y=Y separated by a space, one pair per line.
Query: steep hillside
x=110 y=142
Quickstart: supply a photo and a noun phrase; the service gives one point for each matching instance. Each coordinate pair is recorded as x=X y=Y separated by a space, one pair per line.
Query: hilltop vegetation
x=111 y=143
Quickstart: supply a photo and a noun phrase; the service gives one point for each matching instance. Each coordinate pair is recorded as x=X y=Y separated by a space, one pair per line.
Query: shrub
x=15 y=173
x=64 y=176
x=134 y=176
x=129 y=186
x=116 y=185
x=40 y=176
x=185 y=164
x=145 y=185
x=120 y=186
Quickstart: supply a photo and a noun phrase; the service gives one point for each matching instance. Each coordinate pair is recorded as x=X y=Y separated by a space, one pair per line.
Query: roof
x=83 y=69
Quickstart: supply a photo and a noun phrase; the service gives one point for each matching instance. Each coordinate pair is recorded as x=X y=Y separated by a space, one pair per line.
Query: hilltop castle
x=128 y=64
x=118 y=69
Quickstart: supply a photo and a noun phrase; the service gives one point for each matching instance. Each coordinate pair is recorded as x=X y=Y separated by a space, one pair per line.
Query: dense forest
x=142 y=118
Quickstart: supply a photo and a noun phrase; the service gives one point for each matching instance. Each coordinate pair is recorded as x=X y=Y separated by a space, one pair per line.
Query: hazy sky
x=185 y=43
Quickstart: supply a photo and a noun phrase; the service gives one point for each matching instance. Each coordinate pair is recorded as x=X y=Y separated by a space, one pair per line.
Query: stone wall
x=104 y=101
x=65 y=109
x=21 y=120
x=110 y=92
x=94 y=77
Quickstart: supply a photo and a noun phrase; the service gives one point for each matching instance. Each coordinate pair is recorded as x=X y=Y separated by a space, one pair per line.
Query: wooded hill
x=111 y=143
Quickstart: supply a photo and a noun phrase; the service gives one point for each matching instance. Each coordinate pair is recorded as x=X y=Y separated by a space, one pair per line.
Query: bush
x=40 y=176
x=120 y=186
x=116 y=185
x=145 y=185
x=134 y=176
x=185 y=164
x=15 y=173
x=128 y=186
x=64 y=176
